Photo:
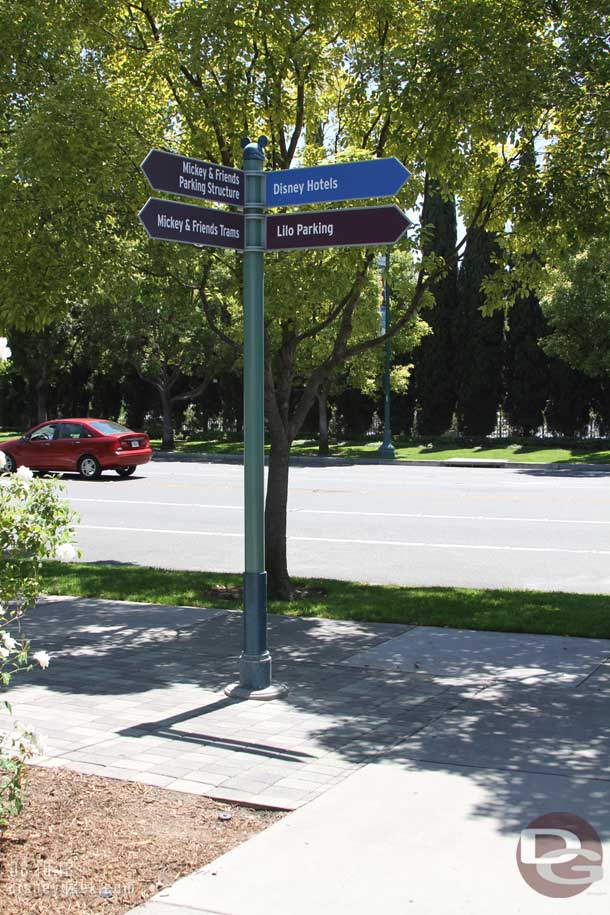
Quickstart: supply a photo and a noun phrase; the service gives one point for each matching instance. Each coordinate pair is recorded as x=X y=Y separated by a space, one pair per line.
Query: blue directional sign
x=325 y=183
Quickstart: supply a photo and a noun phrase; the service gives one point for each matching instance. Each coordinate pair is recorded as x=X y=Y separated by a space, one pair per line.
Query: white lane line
x=161 y=504
x=455 y=546
x=154 y=530
x=314 y=511
x=321 y=511
x=400 y=543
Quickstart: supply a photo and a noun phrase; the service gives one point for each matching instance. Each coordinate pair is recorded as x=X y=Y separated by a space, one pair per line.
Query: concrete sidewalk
x=411 y=757
x=432 y=826
x=395 y=838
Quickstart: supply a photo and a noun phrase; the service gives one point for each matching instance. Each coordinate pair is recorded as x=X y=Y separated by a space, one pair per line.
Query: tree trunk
x=276 y=507
x=42 y=399
x=167 y=441
x=323 y=422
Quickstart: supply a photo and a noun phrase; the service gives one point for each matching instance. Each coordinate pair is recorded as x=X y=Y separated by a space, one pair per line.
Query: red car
x=84 y=445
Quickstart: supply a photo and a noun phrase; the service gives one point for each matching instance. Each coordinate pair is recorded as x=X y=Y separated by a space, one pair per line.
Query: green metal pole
x=255 y=660
x=387 y=448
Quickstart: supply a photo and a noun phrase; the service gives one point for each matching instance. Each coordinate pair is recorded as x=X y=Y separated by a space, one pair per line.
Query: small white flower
x=8 y=641
x=4 y=653
x=5 y=351
x=25 y=474
x=38 y=744
x=65 y=552
x=42 y=658
x=2 y=460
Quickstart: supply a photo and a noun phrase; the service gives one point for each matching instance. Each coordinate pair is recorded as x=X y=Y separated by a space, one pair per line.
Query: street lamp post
x=386 y=449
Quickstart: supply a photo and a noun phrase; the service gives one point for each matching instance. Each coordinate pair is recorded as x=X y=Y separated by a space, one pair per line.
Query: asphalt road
x=478 y=527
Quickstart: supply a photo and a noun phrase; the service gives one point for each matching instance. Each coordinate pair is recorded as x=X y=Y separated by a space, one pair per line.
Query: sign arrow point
x=188 y=177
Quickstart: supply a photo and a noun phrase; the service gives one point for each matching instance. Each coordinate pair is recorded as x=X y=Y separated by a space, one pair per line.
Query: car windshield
x=107 y=427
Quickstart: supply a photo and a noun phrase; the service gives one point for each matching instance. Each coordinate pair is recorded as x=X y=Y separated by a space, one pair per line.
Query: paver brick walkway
x=423 y=751
x=136 y=692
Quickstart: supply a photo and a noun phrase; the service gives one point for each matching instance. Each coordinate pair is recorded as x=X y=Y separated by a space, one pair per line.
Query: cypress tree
x=480 y=341
x=434 y=375
x=354 y=413
x=526 y=366
x=138 y=398
x=402 y=406
x=571 y=394
x=601 y=406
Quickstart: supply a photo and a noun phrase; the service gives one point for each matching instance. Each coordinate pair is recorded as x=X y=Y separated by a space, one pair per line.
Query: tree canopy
x=577 y=307
x=502 y=102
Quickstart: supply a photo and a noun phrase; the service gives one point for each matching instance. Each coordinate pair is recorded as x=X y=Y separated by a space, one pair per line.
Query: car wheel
x=89 y=467
x=126 y=471
x=10 y=465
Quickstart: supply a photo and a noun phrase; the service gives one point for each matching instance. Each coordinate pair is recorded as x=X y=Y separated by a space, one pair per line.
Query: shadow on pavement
x=497 y=732
x=555 y=470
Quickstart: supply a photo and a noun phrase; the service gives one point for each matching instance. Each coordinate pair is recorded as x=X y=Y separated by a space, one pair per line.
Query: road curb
x=300 y=461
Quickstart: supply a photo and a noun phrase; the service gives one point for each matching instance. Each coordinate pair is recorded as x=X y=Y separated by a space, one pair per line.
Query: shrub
x=35 y=524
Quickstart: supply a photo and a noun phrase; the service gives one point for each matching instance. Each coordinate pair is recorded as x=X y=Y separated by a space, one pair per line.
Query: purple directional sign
x=168 y=220
x=336 y=228
x=189 y=177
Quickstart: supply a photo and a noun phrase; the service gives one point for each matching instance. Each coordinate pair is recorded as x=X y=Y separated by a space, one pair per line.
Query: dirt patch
x=235 y=595
x=85 y=844
x=226 y=593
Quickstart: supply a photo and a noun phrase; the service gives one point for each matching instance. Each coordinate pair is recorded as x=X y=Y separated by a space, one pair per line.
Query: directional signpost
x=326 y=183
x=167 y=220
x=336 y=228
x=254 y=233
x=189 y=177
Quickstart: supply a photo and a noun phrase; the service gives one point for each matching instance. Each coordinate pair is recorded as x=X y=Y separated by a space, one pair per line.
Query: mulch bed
x=84 y=844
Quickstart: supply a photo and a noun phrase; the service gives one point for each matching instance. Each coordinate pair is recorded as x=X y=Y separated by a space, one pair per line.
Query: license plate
x=134 y=444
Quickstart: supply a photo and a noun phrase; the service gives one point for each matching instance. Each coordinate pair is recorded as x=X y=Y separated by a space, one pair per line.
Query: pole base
x=386 y=450
x=275 y=691
x=255 y=680
x=255 y=670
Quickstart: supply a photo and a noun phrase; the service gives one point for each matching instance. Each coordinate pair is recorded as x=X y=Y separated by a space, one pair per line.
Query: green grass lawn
x=436 y=450
x=581 y=453
x=551 y=613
